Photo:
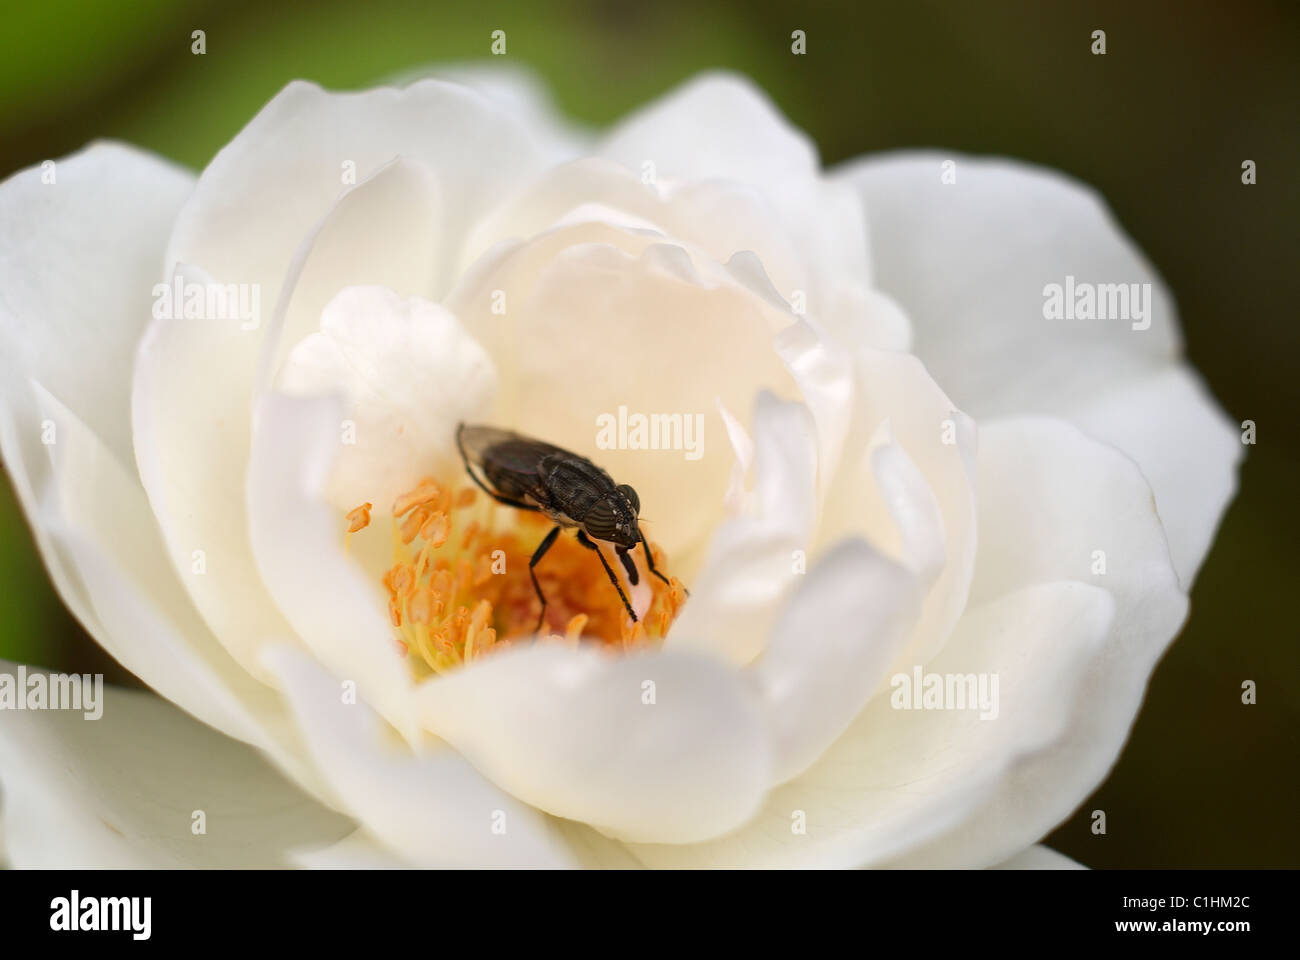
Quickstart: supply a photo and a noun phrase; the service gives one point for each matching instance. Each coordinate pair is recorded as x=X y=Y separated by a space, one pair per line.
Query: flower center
x=459 y=585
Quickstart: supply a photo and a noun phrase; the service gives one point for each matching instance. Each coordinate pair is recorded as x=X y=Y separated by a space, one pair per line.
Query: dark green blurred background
x=1160 y=125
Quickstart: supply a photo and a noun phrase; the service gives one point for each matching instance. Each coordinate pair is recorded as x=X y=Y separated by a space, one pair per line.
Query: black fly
x=531 y=475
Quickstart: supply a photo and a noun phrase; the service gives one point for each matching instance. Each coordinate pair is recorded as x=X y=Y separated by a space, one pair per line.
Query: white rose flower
x=362 y=685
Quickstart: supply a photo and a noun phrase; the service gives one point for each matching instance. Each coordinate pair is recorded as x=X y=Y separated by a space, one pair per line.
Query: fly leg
x=626 y=559
x=650 y=560
x=537 y=556
x=587 y=542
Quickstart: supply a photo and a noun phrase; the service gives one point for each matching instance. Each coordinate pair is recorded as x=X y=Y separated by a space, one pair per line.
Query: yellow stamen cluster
x=458 y=588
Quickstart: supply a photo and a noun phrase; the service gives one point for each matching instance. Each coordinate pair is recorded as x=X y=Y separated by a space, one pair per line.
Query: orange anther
x=676 y=591
x=573 y=630
x=425 y=605
x=412 y=524
x=633 y=634
x=442 y=582
x=443 y=644
x=403 y=579
x=436 y=528
x=399 y=579
x=359 y=517
x=426 y=491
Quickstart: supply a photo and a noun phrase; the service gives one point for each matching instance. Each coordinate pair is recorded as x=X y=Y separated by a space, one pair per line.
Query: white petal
x=1186 y=447
x=28 y=465
x=430 y=808
x=408 y=372
x=250 y=217
x=663 y=318
x=865 y=316
x=379 y=233
x=719 y=217
x=894 y=499
x=97 y=518
x=298 y=544
x=970 y=261
x=572 y=733
x=190 y=409
x=357 y=851
x=267 y=188
x=785 y=463
x=524 y=95
x=192 y=443
x=592 y=848
x=1039 y=857
x=742 y=447
x=122 y=790
x=751 y=560
x=716 y=125
x=74 y=296
x=78 y=261
x=1049 y=498
x=897 y=777
x=826 y=381
x=720 y=126
x=918 y=521
x=830 y=649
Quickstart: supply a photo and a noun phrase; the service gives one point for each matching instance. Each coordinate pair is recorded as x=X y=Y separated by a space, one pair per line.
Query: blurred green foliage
x=1160 y=125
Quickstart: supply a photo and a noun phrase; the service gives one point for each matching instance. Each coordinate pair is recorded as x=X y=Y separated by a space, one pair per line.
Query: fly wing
x=509 y=461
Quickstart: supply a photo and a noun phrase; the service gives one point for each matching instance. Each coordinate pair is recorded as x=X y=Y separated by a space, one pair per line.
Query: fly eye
x=600 y=521
x=631 y=496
